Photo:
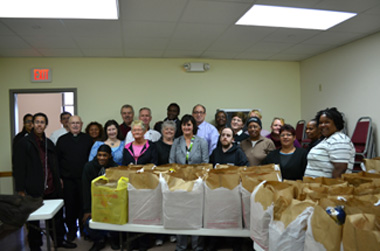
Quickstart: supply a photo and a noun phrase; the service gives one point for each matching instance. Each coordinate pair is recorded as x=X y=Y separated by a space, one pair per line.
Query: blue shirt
x=210 y=134
x=117 y=152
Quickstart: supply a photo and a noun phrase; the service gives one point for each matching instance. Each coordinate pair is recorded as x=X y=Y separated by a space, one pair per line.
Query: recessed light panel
x=60 y=9
x=289 y=17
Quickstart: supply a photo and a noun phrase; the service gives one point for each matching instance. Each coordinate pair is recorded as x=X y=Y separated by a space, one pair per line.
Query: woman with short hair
x=237 y=124
x=168 y=130
x=140 y=151
x=292 y=160
x=335 y=154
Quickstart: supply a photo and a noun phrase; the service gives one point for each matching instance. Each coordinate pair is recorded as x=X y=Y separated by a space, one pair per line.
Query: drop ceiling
x=186 y=29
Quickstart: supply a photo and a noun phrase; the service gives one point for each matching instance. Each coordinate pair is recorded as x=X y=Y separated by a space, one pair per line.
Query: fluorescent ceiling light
x=60 y=9
x=289 y=17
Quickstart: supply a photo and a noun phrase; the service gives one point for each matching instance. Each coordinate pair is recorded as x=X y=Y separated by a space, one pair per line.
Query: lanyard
x=188 y=150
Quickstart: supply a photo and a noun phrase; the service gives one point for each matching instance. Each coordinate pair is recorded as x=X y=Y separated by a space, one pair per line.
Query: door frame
x=12 y=101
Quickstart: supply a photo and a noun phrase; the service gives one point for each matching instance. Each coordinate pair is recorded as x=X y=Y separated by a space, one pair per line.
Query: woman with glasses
x=292 y=160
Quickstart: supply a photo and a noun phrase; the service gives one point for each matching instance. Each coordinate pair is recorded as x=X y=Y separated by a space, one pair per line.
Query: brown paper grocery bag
x=323 y=230
x=222 y=201
x=359 y=178
x=114 y=173
x=325 y=181
x=372 y=165
x=144 y=180
x=222 y=178
x=361 y=232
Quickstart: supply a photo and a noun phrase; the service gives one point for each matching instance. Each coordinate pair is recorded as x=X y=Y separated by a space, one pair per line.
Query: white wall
x=104 y=85
x=350 y=80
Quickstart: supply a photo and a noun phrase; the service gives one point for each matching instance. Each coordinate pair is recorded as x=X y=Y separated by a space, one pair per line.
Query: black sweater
x=91 y=170
x=163 y=152
x=294 y=168
x=234 y=156
x=72 y=152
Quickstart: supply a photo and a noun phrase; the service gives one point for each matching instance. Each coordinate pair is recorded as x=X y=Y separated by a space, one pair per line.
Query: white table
x=159 y=229
x=47 y=212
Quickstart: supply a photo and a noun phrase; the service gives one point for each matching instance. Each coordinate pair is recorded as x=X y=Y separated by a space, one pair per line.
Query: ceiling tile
x=333 y=38
x=13 y=42
x=61 y=52
x=360 y=24
x=102 y=53
x=4 y=30
x=290 y=35
x=204 y=31
x=220 y=54
x=350 y=6
x=19 y=53
x=50 y=42
x=290 y=3
x=99 y=42
x=93 y=27
x=148 y=44
x=182 y=54
x=143 y=53
x=211 y=12
x=197 y=45
x=148 y=29
x=148 y=10
x=37 y=27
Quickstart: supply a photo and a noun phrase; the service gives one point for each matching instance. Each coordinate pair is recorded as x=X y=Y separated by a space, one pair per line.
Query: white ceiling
x=186 y=29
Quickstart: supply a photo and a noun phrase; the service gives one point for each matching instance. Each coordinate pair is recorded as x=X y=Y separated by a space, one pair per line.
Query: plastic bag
x=109 y=200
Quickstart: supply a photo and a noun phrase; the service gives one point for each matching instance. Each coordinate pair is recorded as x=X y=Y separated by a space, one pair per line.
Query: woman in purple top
x=276 y=125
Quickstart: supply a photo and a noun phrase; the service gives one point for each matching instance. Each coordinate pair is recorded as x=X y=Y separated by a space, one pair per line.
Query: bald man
x=73 y=149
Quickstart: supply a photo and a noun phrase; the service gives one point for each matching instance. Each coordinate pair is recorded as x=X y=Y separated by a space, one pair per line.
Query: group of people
x=64 y=165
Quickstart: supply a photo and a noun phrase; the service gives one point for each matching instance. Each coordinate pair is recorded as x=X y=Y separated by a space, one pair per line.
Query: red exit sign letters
x=41 y=75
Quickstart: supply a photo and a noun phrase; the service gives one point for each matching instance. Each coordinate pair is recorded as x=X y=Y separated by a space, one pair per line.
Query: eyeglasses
x=286 y=135
x=198 y=112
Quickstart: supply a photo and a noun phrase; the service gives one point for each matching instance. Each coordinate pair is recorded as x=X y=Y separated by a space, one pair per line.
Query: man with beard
x=227 y=152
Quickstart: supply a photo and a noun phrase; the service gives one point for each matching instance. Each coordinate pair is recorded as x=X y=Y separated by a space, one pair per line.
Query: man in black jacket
x=73 y=149
x=35 y=171
x=227 y=152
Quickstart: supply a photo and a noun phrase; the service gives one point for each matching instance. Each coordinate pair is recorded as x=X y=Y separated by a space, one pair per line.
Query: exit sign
x=41 y=75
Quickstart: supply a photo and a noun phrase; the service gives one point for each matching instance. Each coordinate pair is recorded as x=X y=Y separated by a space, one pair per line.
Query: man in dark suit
x=73 y=149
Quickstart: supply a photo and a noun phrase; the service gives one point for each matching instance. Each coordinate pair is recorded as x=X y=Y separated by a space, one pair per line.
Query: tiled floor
x=17 y=242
